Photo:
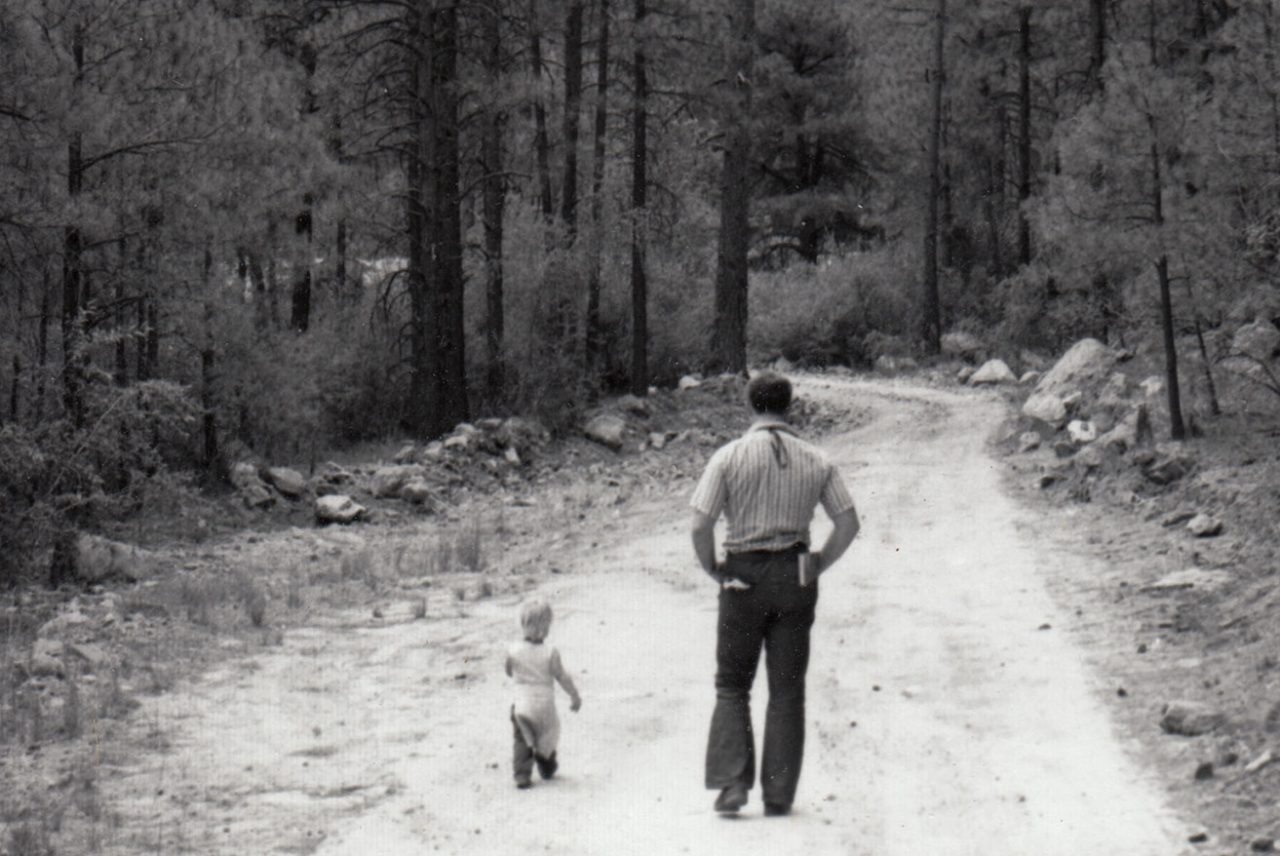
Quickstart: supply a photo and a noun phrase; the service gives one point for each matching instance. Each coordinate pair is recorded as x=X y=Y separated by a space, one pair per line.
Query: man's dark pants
x=775 y=613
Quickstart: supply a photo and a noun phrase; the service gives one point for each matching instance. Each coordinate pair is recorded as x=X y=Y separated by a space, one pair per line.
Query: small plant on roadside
x=293 y=597
x=255 y=604
x=31 y=839
x=357 y=566
x=420 y=608
x=485 y=590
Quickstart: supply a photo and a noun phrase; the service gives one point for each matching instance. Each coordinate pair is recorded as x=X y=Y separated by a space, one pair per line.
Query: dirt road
x=950 y=712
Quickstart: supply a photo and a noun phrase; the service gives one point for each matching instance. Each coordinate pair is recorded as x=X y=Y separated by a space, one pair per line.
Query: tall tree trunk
x=342 y=292
x=208 y=357
x=140 y=341
x=1097 y=42
x=15 y=391
x=639 y=228
x=729 y=342
x=541 y=145
x=300 y=297
x=72 y=270
x=1176 y=427
x=42 y=346
x=153 y=339
x=931 y=313
x=592 y=344
x=572 y=111
x=423 y=405
x=494 y=192
x=450 y=284
x=121 y=374
x=1024 y=134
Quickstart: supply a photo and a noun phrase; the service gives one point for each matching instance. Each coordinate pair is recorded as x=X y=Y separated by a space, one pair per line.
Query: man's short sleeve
x=835 y=496
x=709 y=495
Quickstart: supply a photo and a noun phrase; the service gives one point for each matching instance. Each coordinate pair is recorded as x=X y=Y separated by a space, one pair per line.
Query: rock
x=907 y=364
x=289 y=482
x=1132 y=431
x=1089 y=458
x=388 y=481
x=1204 y=526
x=511 y=456
x=102 y=559
x=1081 y=431
x=1190 y=719
x=1047 y=407
x=490 y=424
x=1199 y=578
x=1072 y=400
x=1204 y=771
x=1029 y=441
x=993 y=371
x=47 y=659
x=1085 y=365
x=416 y=490
x=1029 y=377
x=689 y=382
x=252 y=489
x=965 y=372
x=433 y=451
x=93 y=656
x=1169 y=464
x=1048 y=480
x=1259 y=762
x=606 y=429
x=782 y=365
x=657 y=440
x=460 y=441
x=1064 y=448
x=1259 y=339
x=1152 y=386
x=633 y=404
x=1263 y=845
x=406 y=454
x=887 y=364
x=338 y=508
x=963 y=345
x=1177 y=518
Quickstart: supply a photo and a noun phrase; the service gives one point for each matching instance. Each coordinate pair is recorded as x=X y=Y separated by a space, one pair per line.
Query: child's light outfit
x=535 y=667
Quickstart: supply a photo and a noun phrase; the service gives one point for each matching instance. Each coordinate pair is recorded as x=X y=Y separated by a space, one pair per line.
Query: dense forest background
x=276 y=227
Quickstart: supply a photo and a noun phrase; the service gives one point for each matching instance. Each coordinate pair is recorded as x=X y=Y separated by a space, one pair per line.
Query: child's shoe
x=524 y=781
x=547 y=766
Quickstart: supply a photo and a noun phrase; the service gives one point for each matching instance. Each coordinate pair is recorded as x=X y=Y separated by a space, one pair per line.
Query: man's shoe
x=773 y=809
x=731 y=799
x=524 y=782
x=547 y=766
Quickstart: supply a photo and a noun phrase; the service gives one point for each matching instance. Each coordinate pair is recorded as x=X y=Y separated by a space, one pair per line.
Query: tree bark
x=1177 y=429
x=729 y=337
x=42 y=348
x=639 y=191
x=592 y=344
x=300 y=298
x=208 y=357
x=450 y=283
x=931 y=315
x=1024 y=134
x=72 y=379
x=494 y=193
x=572 y=110
x=419 y=152
x=541 y=145
x=1097 y=42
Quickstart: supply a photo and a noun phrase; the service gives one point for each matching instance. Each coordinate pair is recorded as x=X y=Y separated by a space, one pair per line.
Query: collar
x=771 y=423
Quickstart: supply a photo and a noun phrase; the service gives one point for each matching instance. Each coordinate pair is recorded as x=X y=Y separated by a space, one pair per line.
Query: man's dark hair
x=769 y=392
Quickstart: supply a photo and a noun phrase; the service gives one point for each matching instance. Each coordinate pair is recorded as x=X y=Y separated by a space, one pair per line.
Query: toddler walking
x=536 y=667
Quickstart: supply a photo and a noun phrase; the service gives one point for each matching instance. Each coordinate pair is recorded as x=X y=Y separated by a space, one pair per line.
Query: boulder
x=782 y=365
x=1089 y=458
x=1029 y=377
x=290 y=483
x=433 y=451
x=511 y=456
x=1033 y=361
x=252 y=489
x=993 y=371
x=689 y=382
x=1190 y=719
x=633 y=404
x=965 y=372
x=388 y=481
x=61 y=623
x=657 y=440
x=1259 y=339
x=1081 y=431
x=607 y=429
x=523 y=435
x=963 y=345
x=1046 y=407
x=416 y=490
x=102 y=559
x=1132 y=431
x=406 y=454
x=490 y=424
x=338 y=508
x=1152 y=386
x=459 y=441
x=1072 y=400
x=887 y=364
x=93 y=656
x=1204 y=526
x=1085 y=365
x=1029 y=441
x=244 y=474
x=1169 y=464
x=47 y=659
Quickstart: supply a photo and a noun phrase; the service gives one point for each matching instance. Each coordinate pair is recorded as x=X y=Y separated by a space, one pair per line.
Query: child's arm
x=557 y=670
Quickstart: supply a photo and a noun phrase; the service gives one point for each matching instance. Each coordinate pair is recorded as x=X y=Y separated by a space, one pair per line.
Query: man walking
x=767 y=483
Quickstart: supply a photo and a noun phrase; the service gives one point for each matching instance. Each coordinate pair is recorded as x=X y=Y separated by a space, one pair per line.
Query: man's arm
x=846 y=529
x=704 y=543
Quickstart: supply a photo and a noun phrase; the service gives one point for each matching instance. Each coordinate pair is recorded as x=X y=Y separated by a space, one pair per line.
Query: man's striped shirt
x=768 y=483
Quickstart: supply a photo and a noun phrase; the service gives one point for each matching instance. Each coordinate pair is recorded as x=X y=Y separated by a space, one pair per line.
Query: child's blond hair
x=535 y=618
